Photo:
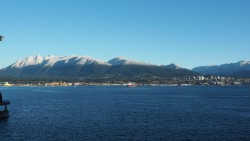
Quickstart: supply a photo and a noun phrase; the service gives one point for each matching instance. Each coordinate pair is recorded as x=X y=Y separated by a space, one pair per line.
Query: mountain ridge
x=238 y=69
x=86 y=66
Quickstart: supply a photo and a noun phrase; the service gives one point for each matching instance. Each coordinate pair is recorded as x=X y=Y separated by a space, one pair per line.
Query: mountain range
x=82 y=67
x=238 y=69
x=88 y=67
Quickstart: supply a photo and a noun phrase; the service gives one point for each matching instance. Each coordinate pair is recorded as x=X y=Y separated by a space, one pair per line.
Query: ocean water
x=121 y=113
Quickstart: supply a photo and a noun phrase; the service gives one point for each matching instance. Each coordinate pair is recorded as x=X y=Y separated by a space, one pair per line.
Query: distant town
x=154 y=81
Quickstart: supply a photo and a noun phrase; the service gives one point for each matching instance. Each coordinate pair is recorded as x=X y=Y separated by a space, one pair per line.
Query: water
x=121 y=113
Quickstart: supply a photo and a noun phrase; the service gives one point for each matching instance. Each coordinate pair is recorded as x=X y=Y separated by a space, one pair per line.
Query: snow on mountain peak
x=89 y=60
x=245 y=62
x=50 y=60
x=73 y=59
x=48 y=57
x=31 y=60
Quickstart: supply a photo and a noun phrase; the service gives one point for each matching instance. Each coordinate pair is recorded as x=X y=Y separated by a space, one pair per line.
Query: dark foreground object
x=1 y=38
x=5 y=112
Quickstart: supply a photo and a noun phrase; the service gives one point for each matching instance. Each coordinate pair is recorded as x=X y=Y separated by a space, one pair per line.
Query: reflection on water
x=121 y=113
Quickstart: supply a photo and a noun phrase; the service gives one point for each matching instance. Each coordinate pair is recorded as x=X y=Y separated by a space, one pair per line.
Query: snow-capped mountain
x=241 y=68
x=32 y=60
x=51 y=60
x=86 y=66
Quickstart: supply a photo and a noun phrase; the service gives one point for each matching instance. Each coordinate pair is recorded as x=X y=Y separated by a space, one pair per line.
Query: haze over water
x=121 y=113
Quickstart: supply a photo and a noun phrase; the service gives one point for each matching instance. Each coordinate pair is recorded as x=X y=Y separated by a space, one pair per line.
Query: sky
x=188 y=33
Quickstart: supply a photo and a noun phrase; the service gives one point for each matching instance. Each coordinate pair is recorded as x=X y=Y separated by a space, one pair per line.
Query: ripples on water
x=121 y=113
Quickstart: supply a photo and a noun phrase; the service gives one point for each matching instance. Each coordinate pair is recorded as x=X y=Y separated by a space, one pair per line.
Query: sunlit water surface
x=121 y=113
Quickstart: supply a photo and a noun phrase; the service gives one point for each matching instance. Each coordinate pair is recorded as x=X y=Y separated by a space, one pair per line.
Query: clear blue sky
x=186 y=32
